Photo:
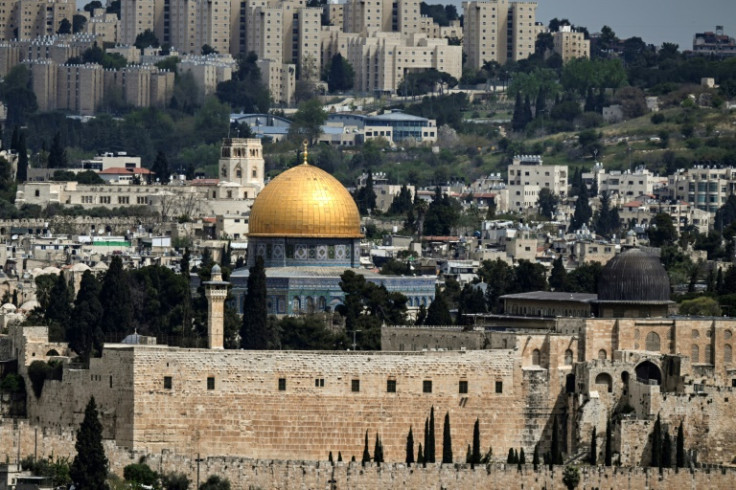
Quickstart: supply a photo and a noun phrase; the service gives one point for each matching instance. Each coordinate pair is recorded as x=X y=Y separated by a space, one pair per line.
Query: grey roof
x=398 y=116
x=305 y=271
x=634 y=276
x=553 y=296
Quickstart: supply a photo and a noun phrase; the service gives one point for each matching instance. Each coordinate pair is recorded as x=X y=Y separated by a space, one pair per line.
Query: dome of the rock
x=304 y=201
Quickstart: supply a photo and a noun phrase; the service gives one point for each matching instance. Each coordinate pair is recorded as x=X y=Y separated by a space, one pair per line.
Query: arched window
x=727 y=354
x=708 y=355
x=653 y=341
x=322 y=303
x=695 y=354
x=296 y=305
x=310 y=305
x=535 y=357
x=568 y=357
x=602 y=355
x=605 y=381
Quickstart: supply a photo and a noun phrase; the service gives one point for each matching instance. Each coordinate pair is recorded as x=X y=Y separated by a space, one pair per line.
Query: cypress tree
x=680 y=448
x=425 y=458
x=22 y=173
x=667 y=451
x=438 y=312
x=420 y=455
x=555 y=451
x=329 y=458
x=558 y=275
x=535 y=458
x=511 y=458
x=85 y=332
x=517 y=120
x=656 y=440
x=378 y=451
x=410 y=447
x=57 y=153
x=89 y=469
x=366 y=454
x=446 y=441
x=161 y=168
x=14 y=138
x=254 y=331
x=430 y=449
x=609 y=444
x=339 y=457
x=522 y=456
x=116 y=301
x=469 y=456
x=593 y=457
x=527 y=110
x=476 y=443
x=59 y=310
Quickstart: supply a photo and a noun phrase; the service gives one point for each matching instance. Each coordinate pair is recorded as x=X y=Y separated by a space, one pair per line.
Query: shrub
x=140 y=474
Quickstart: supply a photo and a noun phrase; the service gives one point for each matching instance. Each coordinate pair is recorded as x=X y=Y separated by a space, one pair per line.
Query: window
x=499 y=386
x=463 y=388
x=391 y=386
x=427 y=386
x=355 y=385
x=535 y=357
x=319 y=383
x=210 y=383
x=282 y=384
x=167 y=382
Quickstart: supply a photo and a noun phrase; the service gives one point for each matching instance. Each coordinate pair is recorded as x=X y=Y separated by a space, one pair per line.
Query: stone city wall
x=249 y=473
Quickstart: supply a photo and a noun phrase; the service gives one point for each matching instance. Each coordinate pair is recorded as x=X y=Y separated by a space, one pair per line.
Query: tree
x=558 y=275
x=511 y=457
x=254 y=332
x=308 y=121
x=535 y=458
x=215 y=482
x=65 y=27
x=212 y=121
x=85 y=332
x=582 y=213
x=680 y=448
x=438 y=312
x=446 y=441
x=59 y=310
x=667 y=450
x=140 y=474
x=89 y=469
x=175 y=481
x=571 y=476
x=555 y=450
x=161 y=168
x=207 y=49
x=522 y=456
x=366 y=454
x=606 y=221
x=91 y=6
x=547 y=203
x=593 y=457
x=518 y=123
x=701 y=306
x=420 y=453
x=57 y=153
x=475 y=455
x=662 y=230
x=365 y=197
x=116 y=300
x=340 y=74
x=608 y=455
x=79 y=22
x=146 y=39
x=656 y=444
x=402 y=202
x=410 y=447
x=378 y=451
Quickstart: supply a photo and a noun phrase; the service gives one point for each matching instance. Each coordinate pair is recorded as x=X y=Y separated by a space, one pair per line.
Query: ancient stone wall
x=400 y=338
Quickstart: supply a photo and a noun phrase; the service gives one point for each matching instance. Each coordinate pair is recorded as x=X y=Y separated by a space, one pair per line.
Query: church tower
x=216 y=292
x=241 y=162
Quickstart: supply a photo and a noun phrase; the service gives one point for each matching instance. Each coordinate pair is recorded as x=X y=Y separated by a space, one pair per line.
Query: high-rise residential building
x=570 y=44
x=79 y=88
x=704 y=187
x=527 y=177
x=280 y=78
x=137 y=16
x=40 y=17
x=498 y=30
x=104 y=26
x=382 y=59
x=366 y=16
x=208 y=71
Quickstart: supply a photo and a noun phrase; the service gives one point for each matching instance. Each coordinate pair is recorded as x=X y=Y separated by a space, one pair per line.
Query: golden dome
x=304 y=201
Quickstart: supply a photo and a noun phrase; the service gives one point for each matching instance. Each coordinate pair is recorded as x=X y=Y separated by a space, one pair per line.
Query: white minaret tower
x=216 y=291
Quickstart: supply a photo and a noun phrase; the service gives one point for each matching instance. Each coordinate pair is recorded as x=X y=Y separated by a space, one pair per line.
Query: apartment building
x=80 y=88
x=56 y=48
x=382 y=59
x=527 y=176
x=137 y=16
x=208 y=71
x=570 y=44
x=706 y=188
x=103 y=25
x=280 y=78
x=366 y=16
x=499 y=30
x=626 y=184
x=38 y=18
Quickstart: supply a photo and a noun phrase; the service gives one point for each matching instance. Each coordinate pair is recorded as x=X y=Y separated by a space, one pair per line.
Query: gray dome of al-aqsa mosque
x=634 y=283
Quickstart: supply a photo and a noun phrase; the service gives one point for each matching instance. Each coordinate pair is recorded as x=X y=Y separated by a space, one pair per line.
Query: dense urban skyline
x=640 y=18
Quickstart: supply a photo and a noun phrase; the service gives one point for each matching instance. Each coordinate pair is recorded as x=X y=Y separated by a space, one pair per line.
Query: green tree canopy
x=89 y=469
x=307 y=122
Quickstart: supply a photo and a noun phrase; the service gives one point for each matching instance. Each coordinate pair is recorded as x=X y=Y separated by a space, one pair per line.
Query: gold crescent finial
x=305 y=143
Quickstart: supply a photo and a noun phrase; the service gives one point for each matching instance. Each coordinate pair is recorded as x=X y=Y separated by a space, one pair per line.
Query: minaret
x=216 y=291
